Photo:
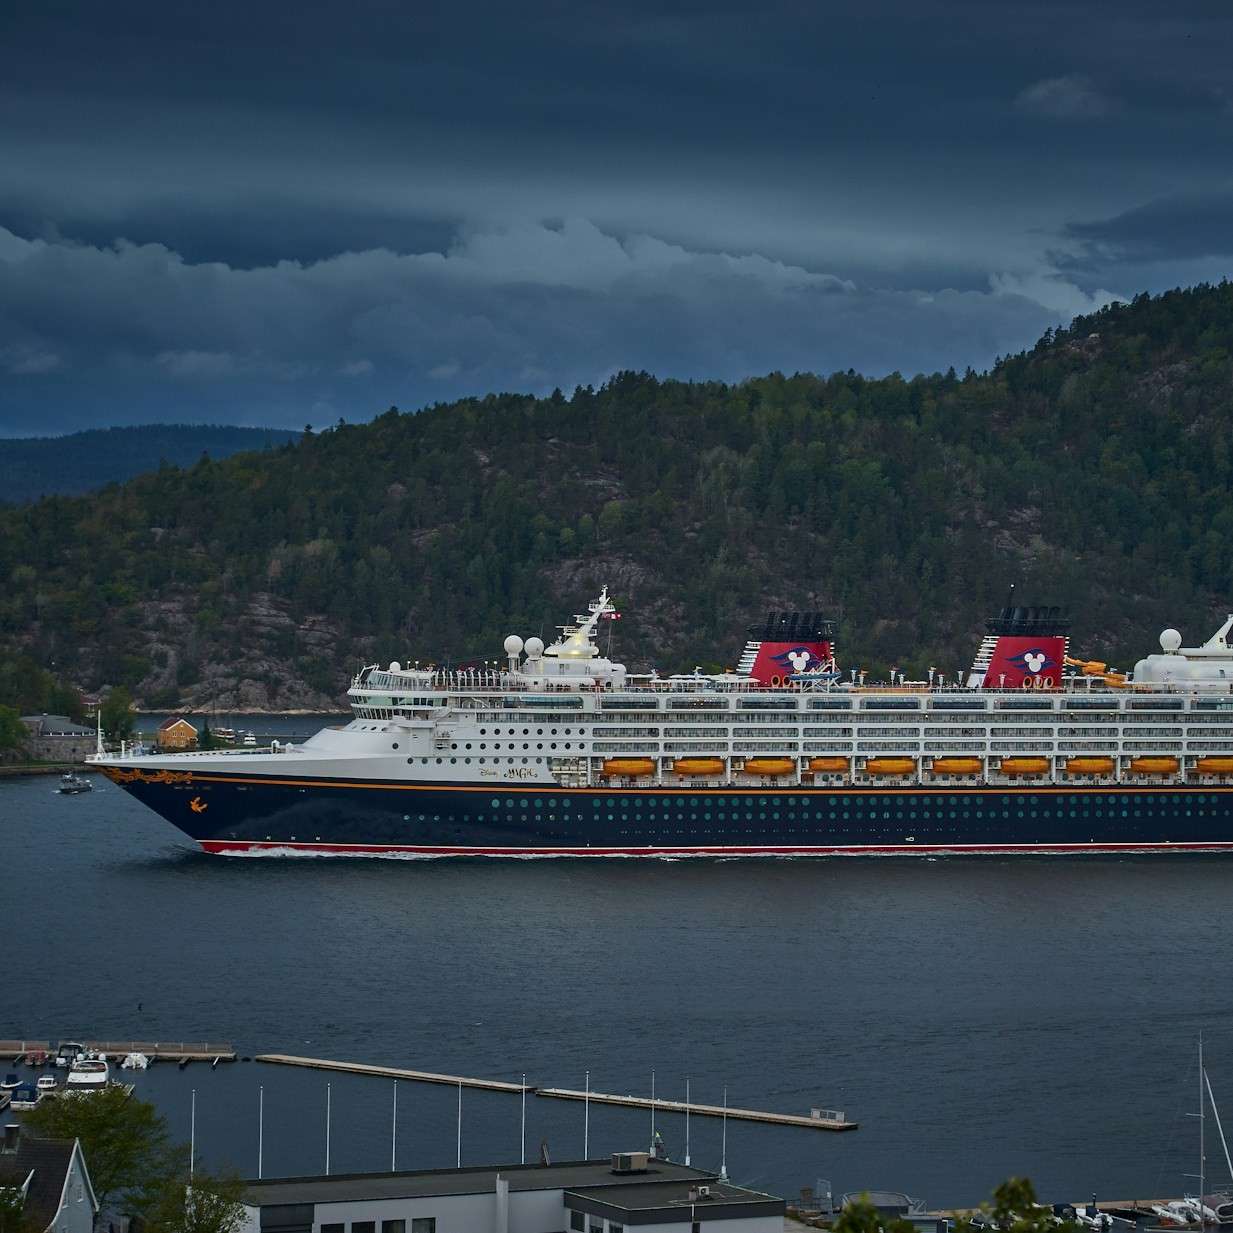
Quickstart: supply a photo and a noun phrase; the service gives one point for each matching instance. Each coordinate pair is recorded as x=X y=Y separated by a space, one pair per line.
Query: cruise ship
x=560 y=751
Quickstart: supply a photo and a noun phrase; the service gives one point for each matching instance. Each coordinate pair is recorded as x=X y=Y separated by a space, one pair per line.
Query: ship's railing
x=128 y=752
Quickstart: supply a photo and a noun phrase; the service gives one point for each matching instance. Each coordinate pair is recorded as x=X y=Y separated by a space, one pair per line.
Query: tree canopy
x=1093 y=470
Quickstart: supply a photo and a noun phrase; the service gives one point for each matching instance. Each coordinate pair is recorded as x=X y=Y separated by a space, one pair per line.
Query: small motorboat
x=46 y=1083
x=25 y=1096
x=89 y=1074
x=72 y=785
x=37 y=1057
x=250 y=740
x=11 y=1083
x=69 y=1051
x=135 y=1061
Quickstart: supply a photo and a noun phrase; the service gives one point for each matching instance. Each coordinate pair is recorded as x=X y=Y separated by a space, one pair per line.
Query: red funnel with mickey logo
x=786 y=644
x=1023 y=648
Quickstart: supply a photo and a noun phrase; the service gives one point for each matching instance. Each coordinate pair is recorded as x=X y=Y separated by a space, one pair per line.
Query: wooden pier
x=389 y=1072
x=679 y=1106
x=155 y=1050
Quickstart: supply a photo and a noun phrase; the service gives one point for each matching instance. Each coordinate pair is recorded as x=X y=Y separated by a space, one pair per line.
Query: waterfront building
x=51 y=1179
x=176 y=732
x=629 y=1191
x=56 y=738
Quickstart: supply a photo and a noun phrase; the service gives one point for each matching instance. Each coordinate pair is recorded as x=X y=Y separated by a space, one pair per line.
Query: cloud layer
x=527 y=307
x=215 y=213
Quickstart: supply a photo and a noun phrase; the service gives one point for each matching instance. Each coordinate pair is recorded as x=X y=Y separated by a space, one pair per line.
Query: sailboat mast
x=1216 y=1114
x=1202 y=1149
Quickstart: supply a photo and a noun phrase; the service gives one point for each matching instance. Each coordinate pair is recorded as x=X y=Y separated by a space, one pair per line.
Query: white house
x=630 y=1191
x=52 y=1180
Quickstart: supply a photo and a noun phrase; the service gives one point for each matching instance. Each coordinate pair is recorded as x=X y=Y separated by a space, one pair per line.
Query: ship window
x=393 y=1226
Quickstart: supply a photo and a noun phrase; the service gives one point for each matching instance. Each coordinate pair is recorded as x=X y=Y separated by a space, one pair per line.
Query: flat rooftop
x=660 y=1195
x=570 y=1175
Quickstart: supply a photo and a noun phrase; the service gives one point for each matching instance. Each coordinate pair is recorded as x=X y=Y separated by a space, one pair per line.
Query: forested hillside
x=1094 y=471
x=33 y=467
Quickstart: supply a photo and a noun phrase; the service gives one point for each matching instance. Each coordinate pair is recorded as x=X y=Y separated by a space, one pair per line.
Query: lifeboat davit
x=1153 y=766
x=628 y=766
x=1214 y=766
x=1089 y=766
x=828 y=766
x=698 y=766
x=769 y=766
x=890 y=766
x=1024 y=766
x=956 y=766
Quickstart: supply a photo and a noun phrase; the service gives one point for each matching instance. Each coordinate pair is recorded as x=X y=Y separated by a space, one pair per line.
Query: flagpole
x=192 y=1133
x=459 y=1157
x=327 y=1130
x=586 y=1121
x=522 y=1154
x=261 y=1132
x=687 y=1123
x=394 y=1133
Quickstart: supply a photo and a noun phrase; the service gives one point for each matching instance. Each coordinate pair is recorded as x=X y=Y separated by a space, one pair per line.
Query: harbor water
x=977 y=1018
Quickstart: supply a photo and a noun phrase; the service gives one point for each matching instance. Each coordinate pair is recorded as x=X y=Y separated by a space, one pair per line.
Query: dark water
x=977 y=1019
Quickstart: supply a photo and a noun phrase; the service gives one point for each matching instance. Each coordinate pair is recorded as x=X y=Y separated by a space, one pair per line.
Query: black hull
x=237 y=816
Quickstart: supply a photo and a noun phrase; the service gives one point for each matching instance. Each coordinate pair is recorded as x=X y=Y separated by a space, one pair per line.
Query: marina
x=390 y=1072
x=155 y=1050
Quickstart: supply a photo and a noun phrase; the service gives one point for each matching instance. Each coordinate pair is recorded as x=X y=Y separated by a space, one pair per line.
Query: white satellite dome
x=513 y=645
x=395 y=666
x=1170 y=640
x=534 y=648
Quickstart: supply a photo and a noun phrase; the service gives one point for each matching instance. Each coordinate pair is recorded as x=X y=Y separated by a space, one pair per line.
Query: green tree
x=124 y=1139
x=205 y=739
x=13 y=1218
x=1015 y=1210
x=206 y=1203
x=863 y=1217
x=119 y=722
x=13 y=732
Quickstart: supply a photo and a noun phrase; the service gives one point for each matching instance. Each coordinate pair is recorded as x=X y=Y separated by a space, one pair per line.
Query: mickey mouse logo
x=1033 y=662
x=798 y=659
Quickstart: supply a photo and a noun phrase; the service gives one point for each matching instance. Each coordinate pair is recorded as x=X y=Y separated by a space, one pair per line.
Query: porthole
x=395 y=745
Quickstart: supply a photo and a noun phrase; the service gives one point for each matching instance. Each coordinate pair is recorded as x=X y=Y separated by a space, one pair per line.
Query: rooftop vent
x=697 y=1193
x=630 y=1162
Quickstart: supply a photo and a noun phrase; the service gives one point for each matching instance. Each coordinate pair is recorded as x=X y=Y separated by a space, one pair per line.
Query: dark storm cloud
x=269 y=213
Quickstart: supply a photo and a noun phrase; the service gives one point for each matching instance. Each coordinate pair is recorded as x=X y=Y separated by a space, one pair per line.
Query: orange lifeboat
x=1214 y=766
x=698 y=766
x=1153 y=766
x=1089 y=766
x=828 y=766
x=890 y=766
x=769 y=766
x=956 y=766
x=628 y=766
x=1024 y=766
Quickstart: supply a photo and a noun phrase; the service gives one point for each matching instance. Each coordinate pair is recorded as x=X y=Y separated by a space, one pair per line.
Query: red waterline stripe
x=243 y=847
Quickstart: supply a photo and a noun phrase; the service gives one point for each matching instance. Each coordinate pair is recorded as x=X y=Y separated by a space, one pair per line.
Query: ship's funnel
x=1023 y=648
x=787 y=643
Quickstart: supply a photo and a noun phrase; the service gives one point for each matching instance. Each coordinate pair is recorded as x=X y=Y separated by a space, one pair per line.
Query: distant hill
x=46 y=466
x=1094 y=470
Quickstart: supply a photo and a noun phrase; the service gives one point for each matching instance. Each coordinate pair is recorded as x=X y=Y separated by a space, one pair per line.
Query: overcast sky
x=280 y=214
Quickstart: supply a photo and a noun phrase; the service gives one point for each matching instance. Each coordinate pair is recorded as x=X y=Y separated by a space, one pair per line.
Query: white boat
x=26 y=1097
x=135 y=1061
x=46 y=1083
x=89 y=1073
x=69 y=1051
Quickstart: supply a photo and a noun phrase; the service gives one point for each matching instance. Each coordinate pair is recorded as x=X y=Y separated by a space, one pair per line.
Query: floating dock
x=680 y=1106
x=389 y=1072
x=155 y=1050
